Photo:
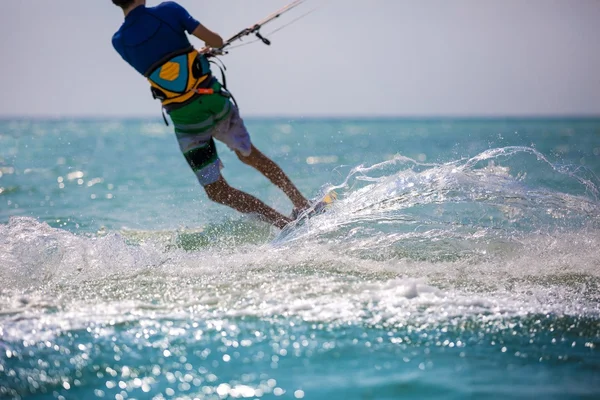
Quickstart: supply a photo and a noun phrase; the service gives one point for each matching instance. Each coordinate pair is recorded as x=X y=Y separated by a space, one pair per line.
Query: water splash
x=500 y=194
x=406 y=242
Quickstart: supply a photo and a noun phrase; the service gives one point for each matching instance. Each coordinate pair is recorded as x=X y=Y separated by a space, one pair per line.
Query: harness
x=182 y=76
x=174 y=78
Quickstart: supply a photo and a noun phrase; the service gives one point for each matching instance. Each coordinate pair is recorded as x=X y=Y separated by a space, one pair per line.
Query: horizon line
x=319 y=116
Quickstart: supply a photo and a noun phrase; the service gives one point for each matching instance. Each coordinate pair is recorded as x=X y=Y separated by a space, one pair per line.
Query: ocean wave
x=406 y=242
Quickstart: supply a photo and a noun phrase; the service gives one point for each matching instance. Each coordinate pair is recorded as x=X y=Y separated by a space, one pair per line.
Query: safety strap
x=164 y=116
x=223 y=68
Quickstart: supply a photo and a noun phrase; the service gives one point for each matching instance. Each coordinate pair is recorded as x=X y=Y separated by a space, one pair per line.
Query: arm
x=209 y=37
x=193 y=26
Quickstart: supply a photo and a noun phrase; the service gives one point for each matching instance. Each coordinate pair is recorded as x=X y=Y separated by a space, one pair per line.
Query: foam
x=403 y=245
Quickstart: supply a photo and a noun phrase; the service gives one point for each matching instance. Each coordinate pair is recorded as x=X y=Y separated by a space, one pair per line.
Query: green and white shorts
x=196 y=127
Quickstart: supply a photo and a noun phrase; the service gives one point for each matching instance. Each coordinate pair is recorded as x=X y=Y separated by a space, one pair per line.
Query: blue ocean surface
x=461 y=260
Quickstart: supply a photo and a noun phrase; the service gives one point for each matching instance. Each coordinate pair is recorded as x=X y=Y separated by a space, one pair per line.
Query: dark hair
x=123 y=3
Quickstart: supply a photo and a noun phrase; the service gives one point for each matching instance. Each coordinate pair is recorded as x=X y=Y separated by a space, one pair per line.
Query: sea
x=460 y=261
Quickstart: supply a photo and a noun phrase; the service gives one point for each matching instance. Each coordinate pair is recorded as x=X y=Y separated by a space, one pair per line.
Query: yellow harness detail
x=175 y=78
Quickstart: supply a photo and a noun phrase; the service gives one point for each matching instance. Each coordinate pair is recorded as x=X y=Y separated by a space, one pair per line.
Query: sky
x=348 y=58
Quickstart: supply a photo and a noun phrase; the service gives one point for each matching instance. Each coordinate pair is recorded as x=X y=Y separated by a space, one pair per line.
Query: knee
x=252 y=159
x=248 y=160
x=217 y=191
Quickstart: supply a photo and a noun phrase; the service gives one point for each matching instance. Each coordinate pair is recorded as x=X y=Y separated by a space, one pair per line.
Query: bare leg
x=275 y=174
x=222 y=193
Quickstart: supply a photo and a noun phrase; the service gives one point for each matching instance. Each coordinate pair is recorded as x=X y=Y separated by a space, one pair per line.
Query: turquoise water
x=461 y=261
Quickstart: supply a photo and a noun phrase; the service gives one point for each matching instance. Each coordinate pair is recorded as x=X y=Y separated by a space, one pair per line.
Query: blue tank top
x=151 y=33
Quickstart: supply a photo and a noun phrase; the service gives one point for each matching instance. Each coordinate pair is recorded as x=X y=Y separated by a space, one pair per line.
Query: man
x=153 y=40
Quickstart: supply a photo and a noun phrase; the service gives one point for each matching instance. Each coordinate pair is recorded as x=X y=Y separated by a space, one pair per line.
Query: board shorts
x=197 y=125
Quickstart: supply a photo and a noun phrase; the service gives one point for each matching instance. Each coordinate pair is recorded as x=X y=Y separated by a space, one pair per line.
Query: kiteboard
x=319 y=205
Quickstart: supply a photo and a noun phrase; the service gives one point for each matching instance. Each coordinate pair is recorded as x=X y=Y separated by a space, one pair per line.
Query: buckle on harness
x=221 y=91
x=205 y=91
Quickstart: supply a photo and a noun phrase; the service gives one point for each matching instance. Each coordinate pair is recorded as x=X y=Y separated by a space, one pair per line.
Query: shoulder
x=169 y=6
x=116 y=39
x=168 y=9
x=174 y=12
